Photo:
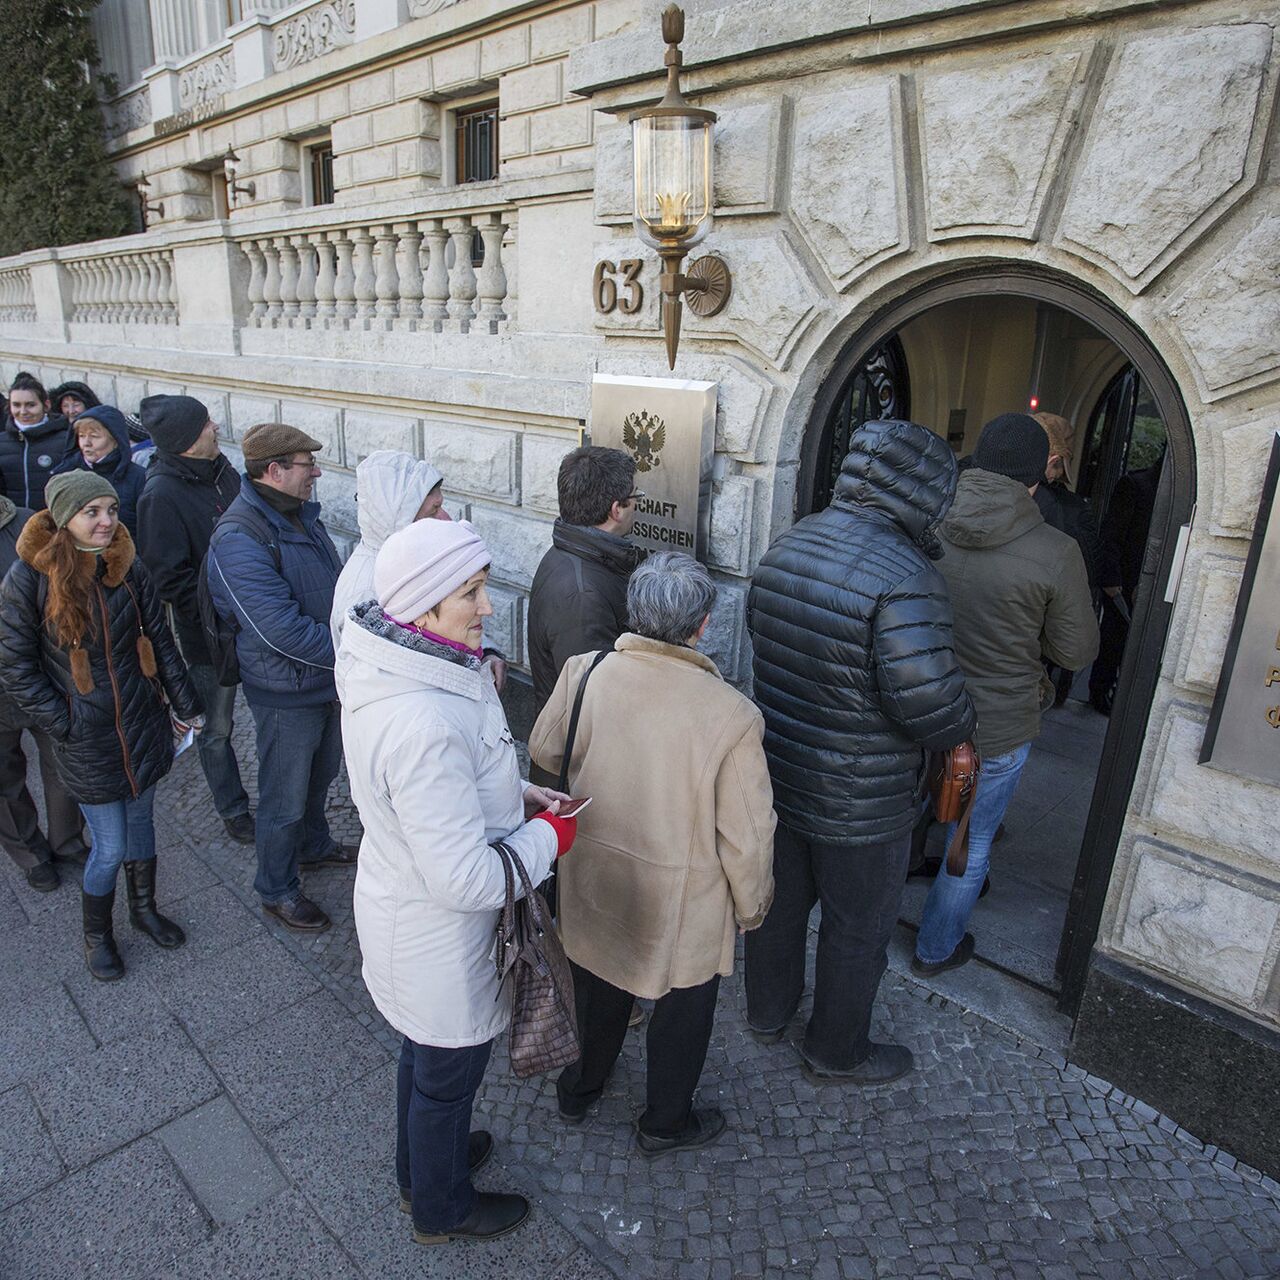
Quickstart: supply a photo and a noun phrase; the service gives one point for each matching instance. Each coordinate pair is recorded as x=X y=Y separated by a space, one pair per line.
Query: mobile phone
x=571 y=808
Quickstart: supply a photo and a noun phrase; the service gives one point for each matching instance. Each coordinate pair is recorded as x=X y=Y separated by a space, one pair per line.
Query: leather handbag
x=544 y=1026
x=953 y=788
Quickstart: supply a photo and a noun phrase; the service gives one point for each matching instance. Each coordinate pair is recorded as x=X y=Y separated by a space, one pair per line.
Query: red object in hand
x=566 y=830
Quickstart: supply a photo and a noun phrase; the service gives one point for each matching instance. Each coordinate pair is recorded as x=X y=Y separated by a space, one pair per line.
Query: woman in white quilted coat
x=434 y=774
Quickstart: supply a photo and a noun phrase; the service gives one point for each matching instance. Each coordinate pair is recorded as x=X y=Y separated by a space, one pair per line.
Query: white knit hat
x=420 y=565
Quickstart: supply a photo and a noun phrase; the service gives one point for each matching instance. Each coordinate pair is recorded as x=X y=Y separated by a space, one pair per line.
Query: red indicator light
x=1035 y=402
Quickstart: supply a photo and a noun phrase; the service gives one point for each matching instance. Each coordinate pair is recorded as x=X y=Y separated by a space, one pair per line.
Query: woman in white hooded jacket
x=434 y=774
x=392 y=491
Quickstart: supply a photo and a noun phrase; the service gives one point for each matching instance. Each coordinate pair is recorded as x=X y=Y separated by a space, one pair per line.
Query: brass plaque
x=1243 y=735
x=669 y=427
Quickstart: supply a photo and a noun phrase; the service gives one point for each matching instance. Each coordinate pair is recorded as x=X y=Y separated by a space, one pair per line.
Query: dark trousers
x=675 y=1049
x=860 y=889
x=435 y=1090
x=217 y=756
x=299 y=754
x=20 y=833
x=1113 y=633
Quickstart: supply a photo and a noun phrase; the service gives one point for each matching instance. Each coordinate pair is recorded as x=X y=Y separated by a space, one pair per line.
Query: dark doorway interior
x=952 y=366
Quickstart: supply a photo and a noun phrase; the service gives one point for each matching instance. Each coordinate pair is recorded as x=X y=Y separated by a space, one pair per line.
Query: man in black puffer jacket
x=856 y=677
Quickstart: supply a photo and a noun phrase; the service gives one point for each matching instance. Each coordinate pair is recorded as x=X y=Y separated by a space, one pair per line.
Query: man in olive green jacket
x=1021 y=598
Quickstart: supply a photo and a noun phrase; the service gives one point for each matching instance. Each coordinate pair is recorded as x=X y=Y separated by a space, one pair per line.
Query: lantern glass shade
x=673 y=180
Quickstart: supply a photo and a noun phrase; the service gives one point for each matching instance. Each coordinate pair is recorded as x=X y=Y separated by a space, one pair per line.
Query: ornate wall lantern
x=671 y=146
x=234 y=189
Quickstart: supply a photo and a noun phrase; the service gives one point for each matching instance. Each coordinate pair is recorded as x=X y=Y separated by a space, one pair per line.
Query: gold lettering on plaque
x=1273 y=717
x=1272 y=676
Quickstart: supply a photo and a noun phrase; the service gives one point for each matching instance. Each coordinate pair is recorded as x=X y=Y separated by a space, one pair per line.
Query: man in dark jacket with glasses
x=856 y=676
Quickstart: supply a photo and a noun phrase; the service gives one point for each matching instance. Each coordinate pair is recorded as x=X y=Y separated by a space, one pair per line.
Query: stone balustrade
x=124 y=288
x=437 y=274
x=17 y=296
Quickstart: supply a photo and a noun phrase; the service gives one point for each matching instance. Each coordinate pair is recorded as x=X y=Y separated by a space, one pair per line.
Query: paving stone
x=216 y=997
x=98 y=1101
x=42 y=1029
x=28 y=1160
x=281 y=1239
x=360 y=1122
x=222 y=1160
x=308 y=1053
x=127 y=1215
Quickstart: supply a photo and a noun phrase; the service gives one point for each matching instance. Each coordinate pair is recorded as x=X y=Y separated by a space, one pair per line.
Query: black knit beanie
x=173 y=422
x=1013 y=445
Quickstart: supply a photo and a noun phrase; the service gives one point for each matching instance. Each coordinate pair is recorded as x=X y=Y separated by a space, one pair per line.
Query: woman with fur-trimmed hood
x=89 y=658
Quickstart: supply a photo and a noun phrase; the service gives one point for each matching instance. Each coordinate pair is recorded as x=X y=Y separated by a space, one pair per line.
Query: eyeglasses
x=310 y=464
x=633 y=495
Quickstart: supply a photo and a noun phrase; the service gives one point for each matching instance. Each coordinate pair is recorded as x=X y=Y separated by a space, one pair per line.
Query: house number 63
x=605 y=288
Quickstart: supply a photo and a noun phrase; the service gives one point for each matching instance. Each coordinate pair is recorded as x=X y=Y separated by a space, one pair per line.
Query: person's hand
x=1111 y=591
x=180 y=727
x=536 y=799
x=498 y=667
x=566 y=830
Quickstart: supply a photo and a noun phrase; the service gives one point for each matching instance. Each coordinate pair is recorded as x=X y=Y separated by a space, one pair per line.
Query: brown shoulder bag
x=953 y=787
x=544 y=1026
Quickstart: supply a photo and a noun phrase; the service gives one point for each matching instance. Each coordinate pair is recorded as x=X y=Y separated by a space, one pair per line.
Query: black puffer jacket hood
x=851 y=625
x=890 y=468
x=104 y=707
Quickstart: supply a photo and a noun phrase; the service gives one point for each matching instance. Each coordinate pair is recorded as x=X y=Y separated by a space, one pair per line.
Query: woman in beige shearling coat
x=675 y=854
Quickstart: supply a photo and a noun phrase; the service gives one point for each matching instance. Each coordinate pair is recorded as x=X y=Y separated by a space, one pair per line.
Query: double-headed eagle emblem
x=644 y=434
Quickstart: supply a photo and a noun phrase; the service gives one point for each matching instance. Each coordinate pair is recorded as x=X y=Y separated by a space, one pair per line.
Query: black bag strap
x=563 y=783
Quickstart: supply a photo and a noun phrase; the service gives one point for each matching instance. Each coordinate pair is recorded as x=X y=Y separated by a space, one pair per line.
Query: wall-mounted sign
x=669 y=427
x=1244 y=727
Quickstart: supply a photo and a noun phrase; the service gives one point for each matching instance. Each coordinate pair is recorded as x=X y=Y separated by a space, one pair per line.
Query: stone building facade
x=1117 y=162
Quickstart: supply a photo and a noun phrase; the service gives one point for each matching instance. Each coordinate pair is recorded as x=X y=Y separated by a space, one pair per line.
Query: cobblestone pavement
x=227 y=1111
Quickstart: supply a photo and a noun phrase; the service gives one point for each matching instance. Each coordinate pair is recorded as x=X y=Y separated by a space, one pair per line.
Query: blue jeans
x=122 y=829
x=217 y=756
x=299 y=753
x=435 y=1090
x=951 y=899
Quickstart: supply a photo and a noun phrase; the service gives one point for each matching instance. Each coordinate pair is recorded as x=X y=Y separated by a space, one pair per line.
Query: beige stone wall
x=1127 y=154
x=861 y=151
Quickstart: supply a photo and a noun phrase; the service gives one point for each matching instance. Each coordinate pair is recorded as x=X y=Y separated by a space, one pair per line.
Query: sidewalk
x=228 y=1111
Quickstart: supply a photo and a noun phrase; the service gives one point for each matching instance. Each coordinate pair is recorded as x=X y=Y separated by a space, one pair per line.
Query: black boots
x=141 y=879
x=100 y=952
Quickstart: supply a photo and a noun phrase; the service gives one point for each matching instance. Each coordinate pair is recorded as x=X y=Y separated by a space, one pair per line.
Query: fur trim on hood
x=39 y=532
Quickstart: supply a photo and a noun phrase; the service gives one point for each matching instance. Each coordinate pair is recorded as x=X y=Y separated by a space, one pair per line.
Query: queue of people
x=917 y=612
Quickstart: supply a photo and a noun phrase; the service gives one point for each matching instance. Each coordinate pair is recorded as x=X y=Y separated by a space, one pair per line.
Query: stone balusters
x=415 y=275
x=326 y=279
x=17 y=298
x=366 y=279
x=462 y=277
x=491 y=280
x=126 y=288
x=409 y=274
x=435 y=306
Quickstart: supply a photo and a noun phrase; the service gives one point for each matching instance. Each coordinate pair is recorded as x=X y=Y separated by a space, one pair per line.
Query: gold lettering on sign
x=1273 y=717
x=1272 y=676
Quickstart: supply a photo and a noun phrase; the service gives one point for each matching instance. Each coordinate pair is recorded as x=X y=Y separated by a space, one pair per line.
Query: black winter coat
x=111 y=730
x=27 y=459
x=854 y=666
x=12 y=520
x=578 y=603
x=182 y=501
x=1068 y=511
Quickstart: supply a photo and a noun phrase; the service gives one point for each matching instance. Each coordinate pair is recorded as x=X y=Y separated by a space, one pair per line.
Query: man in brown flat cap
x=271 y=570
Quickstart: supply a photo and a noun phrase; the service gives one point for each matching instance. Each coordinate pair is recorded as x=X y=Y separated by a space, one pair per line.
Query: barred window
x=476 y=143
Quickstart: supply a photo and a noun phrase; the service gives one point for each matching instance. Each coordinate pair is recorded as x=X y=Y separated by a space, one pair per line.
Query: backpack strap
x=563 y=783
x=257 y=528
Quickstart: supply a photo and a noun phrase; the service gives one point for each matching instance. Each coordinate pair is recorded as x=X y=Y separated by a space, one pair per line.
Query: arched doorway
x=1125 y=374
